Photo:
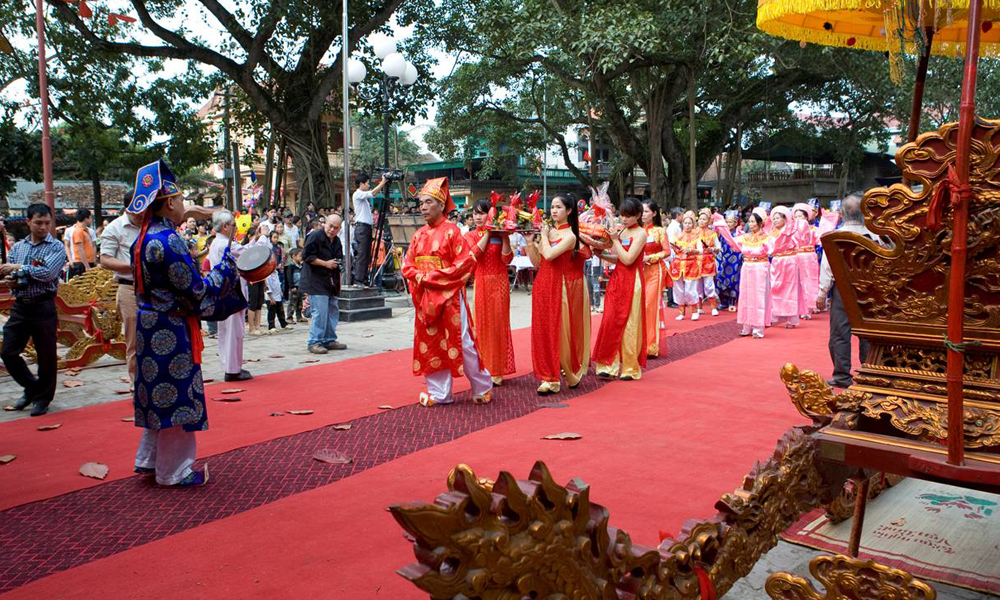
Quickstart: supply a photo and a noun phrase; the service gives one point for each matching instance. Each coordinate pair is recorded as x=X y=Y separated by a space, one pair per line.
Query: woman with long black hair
x=620 y=349
x=560 y=308
x=655 y=255
x=491 y=288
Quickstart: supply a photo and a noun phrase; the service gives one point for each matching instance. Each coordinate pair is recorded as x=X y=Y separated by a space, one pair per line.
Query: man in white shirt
x=116 y=256
x=292 y=231
x=676 y=226
x=231 y=329
x=269 y=221
x=363 y=225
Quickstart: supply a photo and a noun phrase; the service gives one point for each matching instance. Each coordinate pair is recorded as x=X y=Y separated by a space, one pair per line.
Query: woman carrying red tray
x=491 y=288
x=620 y=349
x=560 y=307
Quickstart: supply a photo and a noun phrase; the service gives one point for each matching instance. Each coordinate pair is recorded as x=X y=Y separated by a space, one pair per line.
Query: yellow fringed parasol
x=880 y=25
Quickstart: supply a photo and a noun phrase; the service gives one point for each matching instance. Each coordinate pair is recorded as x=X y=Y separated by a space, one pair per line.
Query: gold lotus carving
x=846 y=578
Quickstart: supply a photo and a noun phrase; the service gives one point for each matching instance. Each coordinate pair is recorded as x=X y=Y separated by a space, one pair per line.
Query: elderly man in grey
x=231 y=330
x=840 y=326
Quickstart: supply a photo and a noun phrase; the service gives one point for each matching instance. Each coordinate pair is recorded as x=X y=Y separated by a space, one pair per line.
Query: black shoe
x=335 y=346
x=835 y=384
x=243 y=375
x=39 y=409
x=21 y=403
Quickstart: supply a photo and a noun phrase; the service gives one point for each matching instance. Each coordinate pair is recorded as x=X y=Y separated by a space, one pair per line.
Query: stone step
x=357 y=292
x=362 y=302
x=365 y=314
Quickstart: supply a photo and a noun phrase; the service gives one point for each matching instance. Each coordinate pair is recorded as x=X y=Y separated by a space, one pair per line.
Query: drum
x=256 y=263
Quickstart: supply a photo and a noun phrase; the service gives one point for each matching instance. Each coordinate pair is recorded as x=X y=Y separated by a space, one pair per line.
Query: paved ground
x=286 y=350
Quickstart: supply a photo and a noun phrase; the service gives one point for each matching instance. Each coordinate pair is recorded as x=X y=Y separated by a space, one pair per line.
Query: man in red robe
x=437 y=265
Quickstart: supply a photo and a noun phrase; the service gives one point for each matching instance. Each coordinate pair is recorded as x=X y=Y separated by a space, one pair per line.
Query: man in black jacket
x=320 y=278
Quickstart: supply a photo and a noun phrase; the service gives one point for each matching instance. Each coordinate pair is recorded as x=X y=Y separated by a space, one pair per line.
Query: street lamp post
x=43 y=87
x=395 y=70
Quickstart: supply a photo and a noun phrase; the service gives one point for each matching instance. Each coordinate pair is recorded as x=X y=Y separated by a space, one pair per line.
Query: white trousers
x=686 y=292
x=231 y=343
x=706 y=288
x=439 y=384
x=170 y=451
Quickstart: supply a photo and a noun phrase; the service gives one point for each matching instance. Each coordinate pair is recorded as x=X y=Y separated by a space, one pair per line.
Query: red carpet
x=48 y=462
x=679 y=423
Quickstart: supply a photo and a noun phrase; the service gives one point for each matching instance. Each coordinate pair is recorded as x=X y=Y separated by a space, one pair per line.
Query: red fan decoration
x=533 y=199
x=515 y=201
x=85 y=11
x=495 y=197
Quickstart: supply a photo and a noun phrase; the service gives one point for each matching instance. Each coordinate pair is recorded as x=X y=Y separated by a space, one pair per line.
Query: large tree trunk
x=657 y=114
x=312 y=166
x=95 y=180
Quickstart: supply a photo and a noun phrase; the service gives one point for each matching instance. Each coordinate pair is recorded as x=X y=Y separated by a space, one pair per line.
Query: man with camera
x=320 y=278
x=36 y=262
x=363 y=224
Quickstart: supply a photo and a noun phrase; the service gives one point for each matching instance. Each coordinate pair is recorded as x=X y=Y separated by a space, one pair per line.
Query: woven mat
x=933 y=531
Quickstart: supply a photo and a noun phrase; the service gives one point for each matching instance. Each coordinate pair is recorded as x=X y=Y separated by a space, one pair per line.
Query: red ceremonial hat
x=437 y=188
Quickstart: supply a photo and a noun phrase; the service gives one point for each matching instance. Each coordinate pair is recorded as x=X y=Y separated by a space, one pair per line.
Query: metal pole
x=226 y=146
x=43 y=86
x=545 y=159
x=237 y=183
x=346 y=120
x=693 y=198
x=387 y=84
x=918 y=87
x=960 y=217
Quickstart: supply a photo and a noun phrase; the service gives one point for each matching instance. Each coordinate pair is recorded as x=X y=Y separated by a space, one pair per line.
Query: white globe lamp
x=383 y=45
x=356 y=70
x=409 y=76
x=394 y=65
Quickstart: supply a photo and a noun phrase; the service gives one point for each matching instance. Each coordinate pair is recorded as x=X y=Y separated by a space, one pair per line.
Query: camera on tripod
x=391 y=174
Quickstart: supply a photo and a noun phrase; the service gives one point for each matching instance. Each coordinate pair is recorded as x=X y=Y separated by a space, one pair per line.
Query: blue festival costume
x=171 y=296
x=727 y=279
x=169 y=391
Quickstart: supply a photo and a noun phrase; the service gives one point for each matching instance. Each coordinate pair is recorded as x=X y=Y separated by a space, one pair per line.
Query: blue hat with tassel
x=152 y=181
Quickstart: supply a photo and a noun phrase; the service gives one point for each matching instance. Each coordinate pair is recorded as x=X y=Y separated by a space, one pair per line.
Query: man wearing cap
x=171 y=294
x=437 y=265
x=231 y=330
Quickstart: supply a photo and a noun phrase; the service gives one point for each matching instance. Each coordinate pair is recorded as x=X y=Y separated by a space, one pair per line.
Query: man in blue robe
x=171 y=295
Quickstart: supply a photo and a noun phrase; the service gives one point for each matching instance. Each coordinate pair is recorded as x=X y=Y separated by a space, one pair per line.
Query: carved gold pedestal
x=89 y=323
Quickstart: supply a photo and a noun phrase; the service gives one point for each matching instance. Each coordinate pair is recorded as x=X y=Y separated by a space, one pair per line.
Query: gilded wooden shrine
x=513 y=539
x=896 y=297
x=89 y=324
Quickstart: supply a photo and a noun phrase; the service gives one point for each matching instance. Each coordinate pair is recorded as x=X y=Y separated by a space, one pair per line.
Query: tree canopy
x=532 y=69
x=283 y=56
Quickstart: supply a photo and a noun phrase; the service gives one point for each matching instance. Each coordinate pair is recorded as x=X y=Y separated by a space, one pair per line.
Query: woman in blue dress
x=172 y=296
x=729 y=264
